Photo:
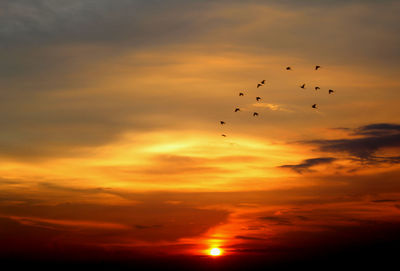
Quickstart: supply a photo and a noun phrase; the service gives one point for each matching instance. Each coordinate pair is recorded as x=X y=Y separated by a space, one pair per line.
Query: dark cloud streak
x=306 y=165
x=369 y=141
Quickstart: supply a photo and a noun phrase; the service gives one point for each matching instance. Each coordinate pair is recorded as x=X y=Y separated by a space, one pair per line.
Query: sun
x=215 y=251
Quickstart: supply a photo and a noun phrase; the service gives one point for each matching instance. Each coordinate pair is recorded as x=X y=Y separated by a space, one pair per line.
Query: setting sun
x=215 y=252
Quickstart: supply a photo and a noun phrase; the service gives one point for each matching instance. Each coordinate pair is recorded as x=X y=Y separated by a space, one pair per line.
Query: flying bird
x=314 y=106
x=316 y=88
x=222 y=122
x=224 y=135
x=241 y=94
x=330 y=91
x=263 y=82
x=237 y=109
x=259 y=85
x=255 y=114
x=303 y=86
x=288 y=68
x=258 y=98
x=317 y=67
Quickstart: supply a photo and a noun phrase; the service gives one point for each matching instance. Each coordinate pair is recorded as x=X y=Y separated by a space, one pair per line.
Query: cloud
x=378 y=129
x=152 y=220
x=306 y=165
x=56 y=104
x=384 y=200
x=145 y=227
x=273 y=107
x=249 y=238
x=369 y=141
x=277 y=220
x=50 y=223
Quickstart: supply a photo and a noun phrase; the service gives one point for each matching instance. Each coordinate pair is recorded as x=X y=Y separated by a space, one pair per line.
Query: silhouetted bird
x=263 y=82
x=303 y=86
x=331 y=91
x=314 y=106
x=255 y=114
x=224 y=135
x=259 y=85
x=258 y=98
x=316 y=88
x=288 y=68
x=222 y=122
x=241 y=94
x=317 y=67
x=237 y=109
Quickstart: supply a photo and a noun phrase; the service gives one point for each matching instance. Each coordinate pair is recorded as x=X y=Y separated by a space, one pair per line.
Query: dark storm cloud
x=371 y=139
x=308 y=163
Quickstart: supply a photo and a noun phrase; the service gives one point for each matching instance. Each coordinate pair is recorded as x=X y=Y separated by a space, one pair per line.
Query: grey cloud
x=308 y=163
x=154 y=23
x=129 y=22
x=372 y=138
x=378 y=129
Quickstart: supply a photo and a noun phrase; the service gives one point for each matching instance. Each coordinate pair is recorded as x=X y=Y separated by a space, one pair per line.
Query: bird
x=222 y=122
x=288 y=68
x=263 y=82
x=314 y=106
x=259 y=85
x=316 y=88
x=237 y=109
x=303 y=86
x=224 y=135
x=258 y=98
x=255 y=114
x=317 y=67
x=331 y=91
x=241 y=94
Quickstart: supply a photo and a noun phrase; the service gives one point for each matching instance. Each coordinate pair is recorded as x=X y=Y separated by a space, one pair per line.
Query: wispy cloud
x=306 y=165
x=46 y=222
x=273 y=107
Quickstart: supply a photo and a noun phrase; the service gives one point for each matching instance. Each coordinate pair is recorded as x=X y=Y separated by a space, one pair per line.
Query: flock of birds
x=262 y=83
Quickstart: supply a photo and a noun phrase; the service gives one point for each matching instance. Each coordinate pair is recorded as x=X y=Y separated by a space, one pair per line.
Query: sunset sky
x=110 y=139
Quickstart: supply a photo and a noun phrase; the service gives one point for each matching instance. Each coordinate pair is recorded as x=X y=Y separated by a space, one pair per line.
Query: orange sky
x=110 y=136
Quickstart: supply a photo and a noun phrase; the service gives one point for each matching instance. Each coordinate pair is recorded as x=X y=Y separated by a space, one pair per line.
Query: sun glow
x=215 y=252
